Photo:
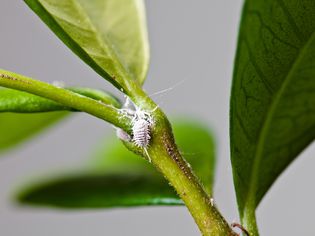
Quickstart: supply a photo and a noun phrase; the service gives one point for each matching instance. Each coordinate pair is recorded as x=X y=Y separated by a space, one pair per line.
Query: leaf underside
x=272 y=117
x=16 y=128
x=120 y=178
x=109 y=35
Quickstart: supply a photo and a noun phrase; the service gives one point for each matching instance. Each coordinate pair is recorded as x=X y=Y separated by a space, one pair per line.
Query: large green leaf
x=109 y=35
x=17 y=127
x=120 y=178
x=273 y=94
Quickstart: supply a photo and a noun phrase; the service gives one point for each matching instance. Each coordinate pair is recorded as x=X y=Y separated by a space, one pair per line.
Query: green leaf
x=109 y=35
x=98 y=95
x=273 y=95
x=120 y=178
x=16 y=101
x=15 y=128
x=98 y=191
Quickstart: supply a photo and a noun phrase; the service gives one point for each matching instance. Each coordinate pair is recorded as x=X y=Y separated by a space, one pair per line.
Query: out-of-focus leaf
x=21 y=102
x=273 y=95
x=109 y=35
x=98 y=191
x=120 y=178
x=15 y=128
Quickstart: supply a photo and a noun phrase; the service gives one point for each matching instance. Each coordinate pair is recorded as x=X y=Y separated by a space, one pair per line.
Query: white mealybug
x=141 y=133
x=142 y=123
x=141 y=130
x=121 y=134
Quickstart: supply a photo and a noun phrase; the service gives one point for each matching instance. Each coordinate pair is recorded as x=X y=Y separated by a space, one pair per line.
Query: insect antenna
x=167 y=89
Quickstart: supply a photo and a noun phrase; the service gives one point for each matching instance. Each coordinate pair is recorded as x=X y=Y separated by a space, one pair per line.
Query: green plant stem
x=162 y=150
x=65 y=97
x=167 y=159
x=249 y=221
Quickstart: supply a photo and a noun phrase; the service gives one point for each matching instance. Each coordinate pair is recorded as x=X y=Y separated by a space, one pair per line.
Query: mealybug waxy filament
x=142 y=122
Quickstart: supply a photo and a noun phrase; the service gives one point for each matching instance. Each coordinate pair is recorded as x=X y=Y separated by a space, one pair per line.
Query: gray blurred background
x=191 y=41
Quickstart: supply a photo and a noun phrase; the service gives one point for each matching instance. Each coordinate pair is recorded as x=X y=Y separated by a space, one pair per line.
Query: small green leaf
x=15 y=128
x=109 y=35
x=124 y=179
x=273 y=95
x=17 y=101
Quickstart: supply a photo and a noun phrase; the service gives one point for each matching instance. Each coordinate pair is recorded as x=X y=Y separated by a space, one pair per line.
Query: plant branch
x=65 y=97
x=166 y=157
x=162 y=150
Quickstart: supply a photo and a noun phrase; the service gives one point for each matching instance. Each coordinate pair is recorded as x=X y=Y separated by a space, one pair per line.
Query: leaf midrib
x=113 y=53
x=101 y=40
x=250 y=203
x=144 y=34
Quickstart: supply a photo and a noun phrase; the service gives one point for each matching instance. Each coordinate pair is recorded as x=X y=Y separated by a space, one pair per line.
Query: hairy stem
x=167 y=159
x=65 y=97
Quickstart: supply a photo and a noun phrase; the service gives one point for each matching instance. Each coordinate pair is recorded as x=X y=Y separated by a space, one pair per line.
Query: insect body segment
x=142 y=123
x=141 y=130
x=141 y=133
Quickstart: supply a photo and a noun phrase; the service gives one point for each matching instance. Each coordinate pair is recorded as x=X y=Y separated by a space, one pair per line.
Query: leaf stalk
x=65 y=97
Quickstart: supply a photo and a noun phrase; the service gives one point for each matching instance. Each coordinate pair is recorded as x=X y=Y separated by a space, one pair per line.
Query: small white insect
x=121 y=134
x=141 y=133
x=141 y=130
x=142 y=123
